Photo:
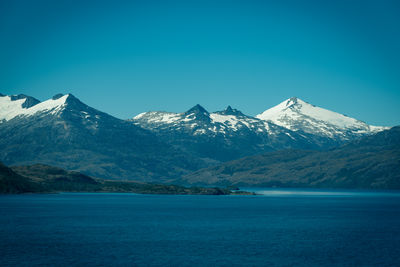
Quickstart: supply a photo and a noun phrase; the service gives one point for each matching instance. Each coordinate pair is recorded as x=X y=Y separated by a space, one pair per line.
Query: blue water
x=281 y=228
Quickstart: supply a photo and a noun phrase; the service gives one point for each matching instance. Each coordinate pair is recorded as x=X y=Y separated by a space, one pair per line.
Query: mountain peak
x=71 y=98
x=292 y=101
x=198 y=112
x=198 y=109
x=230 y=111
x=68 y=99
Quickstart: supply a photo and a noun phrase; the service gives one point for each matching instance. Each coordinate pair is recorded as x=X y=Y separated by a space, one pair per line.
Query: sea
x=278 y=227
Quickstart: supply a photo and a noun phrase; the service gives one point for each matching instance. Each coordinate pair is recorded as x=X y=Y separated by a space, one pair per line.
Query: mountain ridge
x=370 y=162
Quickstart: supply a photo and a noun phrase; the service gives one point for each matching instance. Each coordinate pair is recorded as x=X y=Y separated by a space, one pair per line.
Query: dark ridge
x=73 y=99
x=29 y=102
x=13 y=183
x=57 y=96
x=44 y=178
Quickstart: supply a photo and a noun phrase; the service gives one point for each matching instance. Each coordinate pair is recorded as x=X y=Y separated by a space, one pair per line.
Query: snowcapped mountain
x=22 y=105
x=65 y=132
x=325 y=125
x=220 y=136
x=19 y=108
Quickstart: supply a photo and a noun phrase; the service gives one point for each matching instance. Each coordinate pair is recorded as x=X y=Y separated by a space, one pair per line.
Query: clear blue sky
x=127 y=57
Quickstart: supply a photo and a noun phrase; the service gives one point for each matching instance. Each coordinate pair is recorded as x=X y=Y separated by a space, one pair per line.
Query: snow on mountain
x=298 y=115
x=222 y=135
x=14 y=106
x=158 y=116
x=201 y=121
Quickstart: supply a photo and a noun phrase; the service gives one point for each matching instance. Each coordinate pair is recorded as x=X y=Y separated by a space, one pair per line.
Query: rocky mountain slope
x=370 y=162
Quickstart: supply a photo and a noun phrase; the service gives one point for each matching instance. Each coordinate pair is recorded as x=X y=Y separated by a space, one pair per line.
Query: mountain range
x=161 y=146
x=65 y=132
x=222 y=135
x=230 y=134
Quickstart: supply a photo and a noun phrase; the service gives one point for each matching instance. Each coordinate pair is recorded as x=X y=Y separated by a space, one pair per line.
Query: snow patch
x=10 y=109
x=228 y=120
x=158 y=117
x=139 y=115
x=199 y=131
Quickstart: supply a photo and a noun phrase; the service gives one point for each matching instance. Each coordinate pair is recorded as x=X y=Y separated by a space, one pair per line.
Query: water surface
x=281 y=228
